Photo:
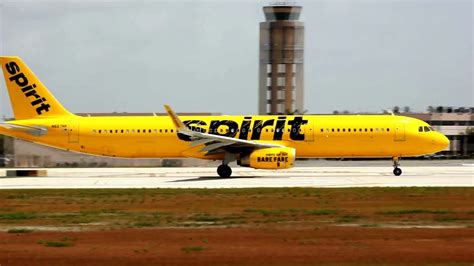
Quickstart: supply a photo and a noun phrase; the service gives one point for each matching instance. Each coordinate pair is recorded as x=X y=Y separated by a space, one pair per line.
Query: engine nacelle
x=269 y=158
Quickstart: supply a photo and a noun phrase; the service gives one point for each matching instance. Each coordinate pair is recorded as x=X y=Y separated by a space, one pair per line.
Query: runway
x=459 y=175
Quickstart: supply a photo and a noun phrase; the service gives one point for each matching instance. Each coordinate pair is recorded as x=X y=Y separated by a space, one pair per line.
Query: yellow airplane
x=260 y=142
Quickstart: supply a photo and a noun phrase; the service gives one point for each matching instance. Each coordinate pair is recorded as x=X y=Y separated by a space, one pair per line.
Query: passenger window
x=348 y=130
x=322 y=130
x=138 y=131
x=166 y=130
x=371 y=130
x=388 y=129
x=366 y=130
x=343 y=130
x=171 y=131
x=420 y=129
x=100 y=131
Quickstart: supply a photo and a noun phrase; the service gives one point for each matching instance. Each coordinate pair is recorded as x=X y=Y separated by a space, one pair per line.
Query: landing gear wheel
x=224 y=171
x=396 y=162
x=397 y=171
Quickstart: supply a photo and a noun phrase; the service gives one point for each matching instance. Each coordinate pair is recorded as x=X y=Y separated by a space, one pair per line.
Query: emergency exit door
x=400 y=132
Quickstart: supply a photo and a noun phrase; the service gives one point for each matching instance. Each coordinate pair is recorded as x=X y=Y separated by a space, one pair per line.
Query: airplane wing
x=33 y=130
x=214 y=144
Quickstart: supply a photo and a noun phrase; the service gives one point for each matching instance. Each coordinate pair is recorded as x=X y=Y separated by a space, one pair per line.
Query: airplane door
x=308 y=132
x=73 y=131
x=400 y=132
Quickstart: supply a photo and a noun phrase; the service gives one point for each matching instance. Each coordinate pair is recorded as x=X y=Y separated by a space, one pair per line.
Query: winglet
x=176 y=121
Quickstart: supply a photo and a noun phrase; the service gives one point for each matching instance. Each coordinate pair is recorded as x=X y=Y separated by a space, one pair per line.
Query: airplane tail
x=28 y=96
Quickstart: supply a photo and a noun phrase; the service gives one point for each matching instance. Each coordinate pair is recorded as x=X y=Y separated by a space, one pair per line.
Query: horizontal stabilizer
x=32 y=130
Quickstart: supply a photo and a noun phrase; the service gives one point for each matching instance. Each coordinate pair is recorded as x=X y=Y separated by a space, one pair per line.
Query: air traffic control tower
x=281 y=78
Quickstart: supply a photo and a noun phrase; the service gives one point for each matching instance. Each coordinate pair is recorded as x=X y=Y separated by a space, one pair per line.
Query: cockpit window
x=426 y=129
x=420 y=129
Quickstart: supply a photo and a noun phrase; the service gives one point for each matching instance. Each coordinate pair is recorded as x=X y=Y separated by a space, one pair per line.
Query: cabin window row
x=100 y=131
x=355 y=129
x=121 y=131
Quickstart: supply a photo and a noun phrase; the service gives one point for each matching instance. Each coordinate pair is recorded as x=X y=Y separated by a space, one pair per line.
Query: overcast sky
x=202 y=56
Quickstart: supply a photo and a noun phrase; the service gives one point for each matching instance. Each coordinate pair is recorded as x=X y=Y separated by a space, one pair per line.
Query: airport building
x=281 y=70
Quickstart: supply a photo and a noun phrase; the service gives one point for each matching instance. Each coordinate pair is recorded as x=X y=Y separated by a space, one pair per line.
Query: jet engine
x=269 y=158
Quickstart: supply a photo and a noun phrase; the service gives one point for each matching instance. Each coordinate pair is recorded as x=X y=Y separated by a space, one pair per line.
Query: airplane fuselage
x=309 y=135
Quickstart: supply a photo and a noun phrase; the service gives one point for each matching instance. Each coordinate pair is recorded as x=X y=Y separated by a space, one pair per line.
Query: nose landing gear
x=396 y=170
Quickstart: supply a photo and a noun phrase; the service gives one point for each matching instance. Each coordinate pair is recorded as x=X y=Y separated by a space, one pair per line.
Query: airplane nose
x=441 y=142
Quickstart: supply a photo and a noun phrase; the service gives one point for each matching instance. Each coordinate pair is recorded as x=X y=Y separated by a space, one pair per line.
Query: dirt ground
x=364 y=226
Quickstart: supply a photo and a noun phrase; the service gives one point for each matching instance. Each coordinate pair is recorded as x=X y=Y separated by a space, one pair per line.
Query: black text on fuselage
x=249 y=128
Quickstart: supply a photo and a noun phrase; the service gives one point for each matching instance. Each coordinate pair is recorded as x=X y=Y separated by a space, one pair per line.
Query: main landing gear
x=224 y=169
x=396 y=162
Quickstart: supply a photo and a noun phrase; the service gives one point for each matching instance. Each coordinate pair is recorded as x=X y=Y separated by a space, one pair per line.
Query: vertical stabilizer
x=28 y=96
